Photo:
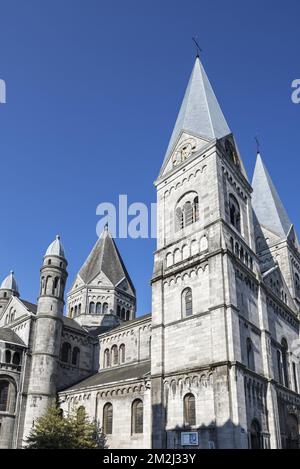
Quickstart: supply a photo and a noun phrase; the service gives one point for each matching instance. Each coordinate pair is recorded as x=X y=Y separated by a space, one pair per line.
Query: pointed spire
x=105 y=258
x=266 y=202
x=200 y=113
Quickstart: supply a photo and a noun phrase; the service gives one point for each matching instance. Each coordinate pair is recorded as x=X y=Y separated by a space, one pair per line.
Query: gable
x=15 y=310
x=125 y=286
x=276 y=282
x=186 y=145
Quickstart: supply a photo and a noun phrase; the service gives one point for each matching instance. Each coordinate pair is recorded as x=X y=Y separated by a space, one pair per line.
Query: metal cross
x=257 y=145
x=198 y=48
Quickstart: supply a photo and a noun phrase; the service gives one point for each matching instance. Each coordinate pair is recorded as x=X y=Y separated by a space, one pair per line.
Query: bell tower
x=203 y=214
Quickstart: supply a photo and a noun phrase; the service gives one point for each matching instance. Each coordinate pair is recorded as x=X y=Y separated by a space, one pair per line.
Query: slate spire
x=200 y=113
x=266 y=202
x=105 y=258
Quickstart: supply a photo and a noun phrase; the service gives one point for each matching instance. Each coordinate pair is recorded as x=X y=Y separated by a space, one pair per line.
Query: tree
x=53 y=431
x=87 y=435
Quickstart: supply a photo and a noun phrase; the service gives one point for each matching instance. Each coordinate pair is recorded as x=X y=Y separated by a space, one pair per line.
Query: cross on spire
x=257 y=145
x=198 y=48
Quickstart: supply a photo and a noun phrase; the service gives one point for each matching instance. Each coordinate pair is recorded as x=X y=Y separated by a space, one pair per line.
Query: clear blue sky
x=93 y=89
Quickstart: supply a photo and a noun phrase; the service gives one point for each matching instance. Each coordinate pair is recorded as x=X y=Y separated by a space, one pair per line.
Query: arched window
x=108 y=419
x=237 y=249
x=79 y=309
x=98 y=308
x=49 y=284
x=7 y=356
x=295 y=378
x=55 y=285
x=71 y=312
x=279 y=367
x=92 y=307
x=242 y=254
x=123 y=313
x=81 y=414
x=105 y=308
x=75 y=311
x=189 y=410
x=4 y=388
x=297 y=283
x=255 y=438
x=188 y=213
x=106 y=358
x=16 y=359
x=114 y=355
x=250 y=354
x=194 y=247
x=235 y=213
x=196 y=209
x=292 y=426
x=127 y=315
x=177 y=256
x=187 y=302
x=42 y=285
x=179 y=222
x=118 y=311
x=122 y=353
x=75 y=356
x=284 y=351
x=187 y=210
x=185 y=252
x=137 y=416
x=65 y=352
x=62 y=288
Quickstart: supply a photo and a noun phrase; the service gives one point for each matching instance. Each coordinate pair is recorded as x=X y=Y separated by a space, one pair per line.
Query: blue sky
x=93 y=90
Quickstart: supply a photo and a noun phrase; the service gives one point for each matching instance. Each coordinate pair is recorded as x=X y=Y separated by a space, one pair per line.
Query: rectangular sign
x=189 y=439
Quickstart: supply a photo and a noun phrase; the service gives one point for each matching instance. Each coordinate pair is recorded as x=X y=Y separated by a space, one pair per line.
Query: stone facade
x=217 y=360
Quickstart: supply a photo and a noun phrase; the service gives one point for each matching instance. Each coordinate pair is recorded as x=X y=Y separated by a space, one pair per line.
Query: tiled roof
x=8 y=335
x=69 y=322
x=30 y=306
x=105 y=258
x=113 y=375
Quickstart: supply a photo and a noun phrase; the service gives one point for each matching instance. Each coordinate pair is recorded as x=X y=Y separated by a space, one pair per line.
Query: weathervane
x=198 y=48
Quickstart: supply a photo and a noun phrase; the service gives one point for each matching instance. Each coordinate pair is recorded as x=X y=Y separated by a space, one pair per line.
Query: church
x=216 y=363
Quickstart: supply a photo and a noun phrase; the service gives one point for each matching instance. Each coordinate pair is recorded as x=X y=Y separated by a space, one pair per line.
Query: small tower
x=8 y=289
x=45 y=352
x=102 y=294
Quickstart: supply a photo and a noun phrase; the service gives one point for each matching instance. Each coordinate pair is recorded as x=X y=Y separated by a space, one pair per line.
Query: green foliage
x=52 y=431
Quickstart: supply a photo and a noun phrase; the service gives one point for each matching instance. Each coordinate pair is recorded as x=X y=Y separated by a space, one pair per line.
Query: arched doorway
x=255 y=439
x=292 y=426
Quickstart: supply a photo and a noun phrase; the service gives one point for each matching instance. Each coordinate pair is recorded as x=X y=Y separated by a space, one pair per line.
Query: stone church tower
x=48 y=331
x=204 y=218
